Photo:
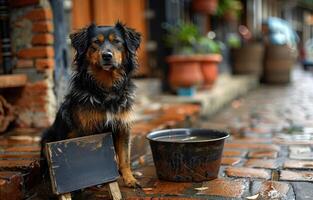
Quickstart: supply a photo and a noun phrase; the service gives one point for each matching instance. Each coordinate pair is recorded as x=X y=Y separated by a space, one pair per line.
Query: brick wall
x=32 y=46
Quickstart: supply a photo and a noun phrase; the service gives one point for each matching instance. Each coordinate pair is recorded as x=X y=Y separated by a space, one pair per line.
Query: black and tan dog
x=102 y=92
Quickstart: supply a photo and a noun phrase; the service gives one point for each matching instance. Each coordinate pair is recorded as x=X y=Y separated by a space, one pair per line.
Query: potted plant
x=205 y=6
x=210 y=57
x=192 y=55
x=184 y=68
x=229 y=10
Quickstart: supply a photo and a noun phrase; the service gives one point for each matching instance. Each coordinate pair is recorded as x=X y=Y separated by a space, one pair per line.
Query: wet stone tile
x=252 y=146
x=269 y=190
x=300 y=153
x=247 y=172
x=168 y=188
x=263 y=154
x=230 y=161
x=303 y=190
x=302 y=156
x=287 y=175
x=297 y=164
x=234 y=153
x=262 y=163
x=225 y=188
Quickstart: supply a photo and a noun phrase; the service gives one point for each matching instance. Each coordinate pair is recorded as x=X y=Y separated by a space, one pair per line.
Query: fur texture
x=101 y=93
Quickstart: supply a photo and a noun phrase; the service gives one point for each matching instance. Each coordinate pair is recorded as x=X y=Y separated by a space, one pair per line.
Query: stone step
x=226 y=89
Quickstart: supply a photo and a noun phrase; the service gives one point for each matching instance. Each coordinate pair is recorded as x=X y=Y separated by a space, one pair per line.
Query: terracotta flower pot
x=185 y=71
x=205 y=6
x=209 y=67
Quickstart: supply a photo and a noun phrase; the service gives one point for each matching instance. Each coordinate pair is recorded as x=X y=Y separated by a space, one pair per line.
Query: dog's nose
x=107 y=56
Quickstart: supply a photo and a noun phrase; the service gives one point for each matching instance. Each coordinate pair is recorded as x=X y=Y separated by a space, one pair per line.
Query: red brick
x=11 y=185
x=230 y=160
x=17 y=164
x=169 y=188
x=183 y=109
x=262 y=163
x=253 y=146
x=12 y=142
x=42 y=39
x=22 y=149
x=21 y=63
x=236 y=153
x=273 y=190
x=38 y=87
x=19 y=3
x=142 y=128
x=13 y=80
x=169 y=120
x=24 y=156
x=42 y=27
x=286 y=175
x=262 y=154
x=225 y=188
x=32 y=134
x=43 y=64
x=36 y=52
x=39 y=14
x=298 y=164
x=247 y=172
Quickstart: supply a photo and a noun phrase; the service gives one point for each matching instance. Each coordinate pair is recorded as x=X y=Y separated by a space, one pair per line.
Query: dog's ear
x=132 y=38
x=80 y=39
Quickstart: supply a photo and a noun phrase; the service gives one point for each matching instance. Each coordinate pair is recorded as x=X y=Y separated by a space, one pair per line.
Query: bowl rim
x=149 y=135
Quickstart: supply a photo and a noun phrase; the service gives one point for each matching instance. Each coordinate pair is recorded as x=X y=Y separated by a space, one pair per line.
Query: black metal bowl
x=185 y=155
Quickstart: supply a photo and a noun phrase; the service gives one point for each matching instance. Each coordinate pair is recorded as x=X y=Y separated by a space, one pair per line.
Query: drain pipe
x=5 y=37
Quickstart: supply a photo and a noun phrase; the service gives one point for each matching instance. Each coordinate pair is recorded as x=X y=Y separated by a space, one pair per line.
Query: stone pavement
x=19 y=150
x=269 y=155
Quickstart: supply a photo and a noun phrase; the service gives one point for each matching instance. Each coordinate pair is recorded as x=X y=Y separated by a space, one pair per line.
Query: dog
x=101 y=92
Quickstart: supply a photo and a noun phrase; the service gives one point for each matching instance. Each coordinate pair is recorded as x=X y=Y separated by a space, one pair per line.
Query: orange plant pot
x=205 y=6
x=209 y=67
x=185 y=71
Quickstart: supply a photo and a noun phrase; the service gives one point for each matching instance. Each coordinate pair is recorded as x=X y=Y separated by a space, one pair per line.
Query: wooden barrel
x=279 y=60
x=248 y=59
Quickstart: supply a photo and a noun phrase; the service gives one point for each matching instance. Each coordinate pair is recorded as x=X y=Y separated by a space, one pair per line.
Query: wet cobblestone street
x=268 y=156
x=273 y=108
x=272 y=139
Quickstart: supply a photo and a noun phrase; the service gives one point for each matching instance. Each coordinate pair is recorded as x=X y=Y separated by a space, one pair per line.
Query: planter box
x=248 y=59
x=279 y=60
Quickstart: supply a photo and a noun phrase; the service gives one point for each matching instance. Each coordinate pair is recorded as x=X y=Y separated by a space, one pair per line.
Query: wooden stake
x=66 y=196
x=115 y=191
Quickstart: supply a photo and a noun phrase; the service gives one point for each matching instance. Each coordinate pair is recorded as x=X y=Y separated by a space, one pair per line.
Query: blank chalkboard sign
x=81 y=162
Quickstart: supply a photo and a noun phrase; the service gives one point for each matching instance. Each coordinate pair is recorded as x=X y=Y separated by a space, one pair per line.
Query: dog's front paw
x=129 y=179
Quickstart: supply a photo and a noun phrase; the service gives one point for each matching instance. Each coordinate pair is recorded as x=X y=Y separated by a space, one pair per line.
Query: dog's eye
x=117 y=41
x=97 y=42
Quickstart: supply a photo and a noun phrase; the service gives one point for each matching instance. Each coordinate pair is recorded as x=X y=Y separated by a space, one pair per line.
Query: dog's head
x=106 y=48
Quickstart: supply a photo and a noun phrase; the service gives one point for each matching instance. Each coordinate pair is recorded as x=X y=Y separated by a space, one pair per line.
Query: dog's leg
x=122 y=142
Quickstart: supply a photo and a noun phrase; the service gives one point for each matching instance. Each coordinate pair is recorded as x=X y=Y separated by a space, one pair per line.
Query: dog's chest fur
x=91 y=119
